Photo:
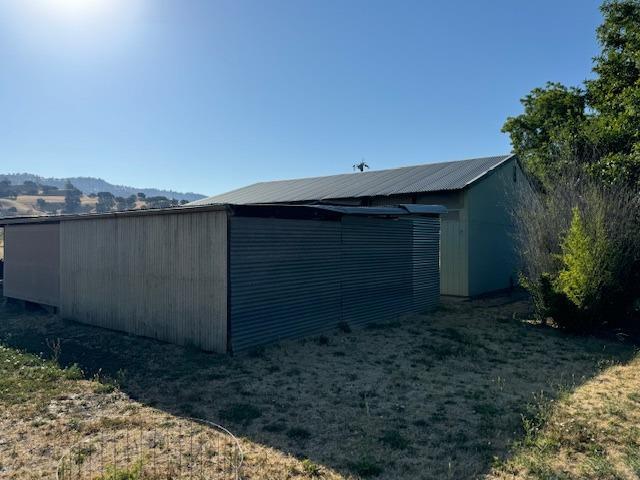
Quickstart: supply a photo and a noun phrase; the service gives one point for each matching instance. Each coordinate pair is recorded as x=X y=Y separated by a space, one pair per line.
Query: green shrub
x=135 y=472
x=580 y=251
x=583 y=260
x=311 y=469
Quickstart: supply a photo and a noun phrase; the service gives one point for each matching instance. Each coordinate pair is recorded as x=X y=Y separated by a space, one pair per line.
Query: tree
x=579 y=247
x=30 y=188
x=121 y=204
x=5 y=188
x=106 y=202
x=72 y=198
x=596 y=127
x=49 y=190
x=41 y=204
x=131 y=202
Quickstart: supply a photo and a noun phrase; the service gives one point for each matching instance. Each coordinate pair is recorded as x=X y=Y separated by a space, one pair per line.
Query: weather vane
x=361 y=166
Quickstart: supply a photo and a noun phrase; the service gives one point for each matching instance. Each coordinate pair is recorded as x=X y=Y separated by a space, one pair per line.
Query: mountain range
x=90 y=185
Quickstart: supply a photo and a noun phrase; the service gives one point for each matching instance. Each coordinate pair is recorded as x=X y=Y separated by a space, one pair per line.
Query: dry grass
x=593 y=432
x=22 y=209
x=437 y=396
x=31 y=200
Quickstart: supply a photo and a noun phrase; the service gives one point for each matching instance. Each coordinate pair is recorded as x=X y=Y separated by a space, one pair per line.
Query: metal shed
x=477 y=251
x=227 y=278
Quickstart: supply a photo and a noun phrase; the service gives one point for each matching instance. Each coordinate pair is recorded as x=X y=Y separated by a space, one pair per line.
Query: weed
x=104 y=388
x=311 y=468
x=135 y=472
x=83 y=453
x=323 y=340
x=25 y=377
x=538 y=413
x=74 y=424
x=633 y=459
x=634 y=397
x=599 y=466
x=56 y=349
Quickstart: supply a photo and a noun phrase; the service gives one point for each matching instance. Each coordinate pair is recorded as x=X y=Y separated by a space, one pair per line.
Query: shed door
x=453 y=259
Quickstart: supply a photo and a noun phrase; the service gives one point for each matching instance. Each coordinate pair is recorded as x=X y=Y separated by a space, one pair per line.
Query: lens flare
x=79 y=8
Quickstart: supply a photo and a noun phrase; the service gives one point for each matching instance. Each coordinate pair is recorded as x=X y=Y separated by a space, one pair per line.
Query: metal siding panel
x=32 y=263
x=426 y=263
x=390 y=268
x=160 y=276
x=377 y=263
x=284 y=278
x=293 y=278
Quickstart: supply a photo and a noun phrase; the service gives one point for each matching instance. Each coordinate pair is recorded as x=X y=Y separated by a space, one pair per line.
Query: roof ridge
x=437 y=176
x=505 y=156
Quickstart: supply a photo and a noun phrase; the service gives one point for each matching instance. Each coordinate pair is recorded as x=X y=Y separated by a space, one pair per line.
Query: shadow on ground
x=434 y=396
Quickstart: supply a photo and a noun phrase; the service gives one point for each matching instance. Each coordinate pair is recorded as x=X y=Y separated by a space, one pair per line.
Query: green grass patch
x=27 y=378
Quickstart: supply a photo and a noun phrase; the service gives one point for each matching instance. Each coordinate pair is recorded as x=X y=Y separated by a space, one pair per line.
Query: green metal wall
x=493 y=262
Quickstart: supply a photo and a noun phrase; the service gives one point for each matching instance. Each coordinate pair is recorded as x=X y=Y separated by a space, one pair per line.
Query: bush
x=580 y=250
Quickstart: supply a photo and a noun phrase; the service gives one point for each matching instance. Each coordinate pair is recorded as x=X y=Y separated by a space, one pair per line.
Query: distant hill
x=90 y=185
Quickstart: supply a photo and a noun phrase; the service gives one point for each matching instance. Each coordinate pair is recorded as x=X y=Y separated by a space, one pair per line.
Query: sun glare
x=79 y=8
x=67 y=28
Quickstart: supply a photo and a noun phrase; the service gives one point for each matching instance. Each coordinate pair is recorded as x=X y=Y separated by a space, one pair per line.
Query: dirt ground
x=432 y=396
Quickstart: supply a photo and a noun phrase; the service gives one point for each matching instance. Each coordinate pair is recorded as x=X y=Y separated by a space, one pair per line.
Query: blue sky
x=205 y=95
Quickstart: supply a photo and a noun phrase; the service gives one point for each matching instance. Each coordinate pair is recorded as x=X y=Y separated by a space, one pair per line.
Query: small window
x=515 y=174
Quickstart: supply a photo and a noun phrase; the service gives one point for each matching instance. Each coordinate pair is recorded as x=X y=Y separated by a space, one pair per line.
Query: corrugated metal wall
x=377 y=269
x=293 y=278
x=32 y=263
x=454 y=257
x=160 y=276
x=426 y=263
x=284 y=279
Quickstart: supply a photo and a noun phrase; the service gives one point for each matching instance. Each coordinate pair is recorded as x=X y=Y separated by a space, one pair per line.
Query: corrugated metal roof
x=431 y=177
